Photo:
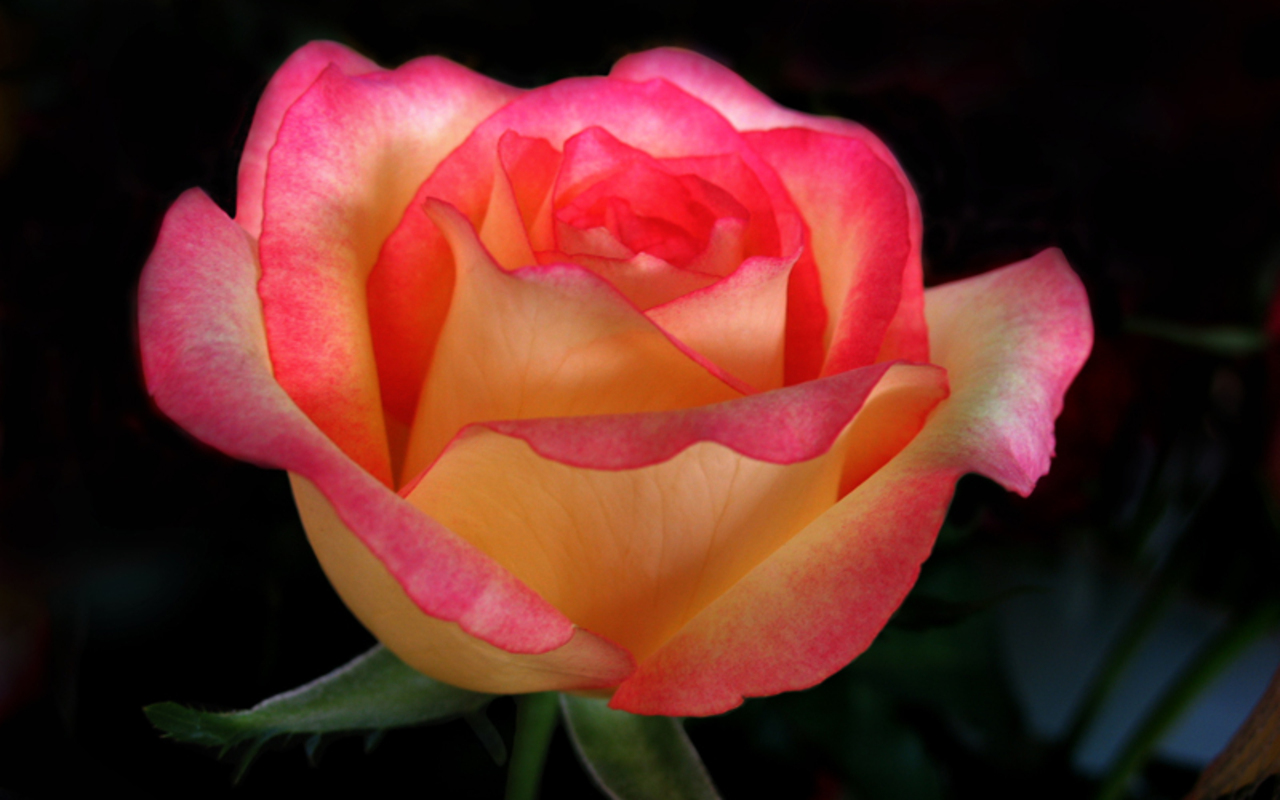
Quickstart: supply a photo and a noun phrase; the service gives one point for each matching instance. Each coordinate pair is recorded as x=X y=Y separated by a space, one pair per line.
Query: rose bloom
x=626 y=385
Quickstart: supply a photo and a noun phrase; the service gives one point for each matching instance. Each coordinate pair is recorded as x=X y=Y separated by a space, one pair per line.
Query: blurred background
x=1106 y=635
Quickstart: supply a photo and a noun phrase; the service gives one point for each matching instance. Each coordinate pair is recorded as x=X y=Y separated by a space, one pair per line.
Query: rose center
x=644 y=209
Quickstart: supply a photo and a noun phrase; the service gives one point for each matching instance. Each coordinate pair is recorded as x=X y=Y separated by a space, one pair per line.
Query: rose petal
x=522 y=184
x=542 y=342
x=738 y=323
x=762 y=236
x=438 y=648
x=644 y=280
x=685 y=504
x=410 y=287
x=659 y=206
x=859 y=227
x=294 y=77
x=348 y=157
x=204 y=355
x=530 y=166
x=745 y=106
x=724 y=184
x=786 y=426
x=749 y=109
x=1011 y=341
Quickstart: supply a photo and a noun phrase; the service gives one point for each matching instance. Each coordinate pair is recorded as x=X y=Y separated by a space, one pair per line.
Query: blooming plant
x=625 y=385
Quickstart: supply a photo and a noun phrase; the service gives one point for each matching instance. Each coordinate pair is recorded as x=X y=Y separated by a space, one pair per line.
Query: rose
x=623 y=384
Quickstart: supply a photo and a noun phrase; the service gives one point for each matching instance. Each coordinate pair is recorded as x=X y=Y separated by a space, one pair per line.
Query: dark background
x=137 y=566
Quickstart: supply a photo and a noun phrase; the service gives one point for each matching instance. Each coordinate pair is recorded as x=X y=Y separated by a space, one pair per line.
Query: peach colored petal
x=1011 y=341
x=348 y=156
x=738 y=323
x=679 y=513
x=629 y=555
x=542 y=342
x=204 y=356
x=644 y=280
x=294 y=77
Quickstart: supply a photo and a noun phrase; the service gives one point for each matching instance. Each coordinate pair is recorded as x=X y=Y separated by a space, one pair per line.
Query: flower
x=625 y=384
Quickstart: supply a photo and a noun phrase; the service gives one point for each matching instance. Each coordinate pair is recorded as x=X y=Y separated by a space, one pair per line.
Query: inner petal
x=541 y=342
x=648 y=209
x=643 y=279
x=526 y=171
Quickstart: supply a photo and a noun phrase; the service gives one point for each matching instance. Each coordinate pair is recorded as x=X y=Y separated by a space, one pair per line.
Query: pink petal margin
x=205 y=360
x=784 y=426
x=289 y=83
x=1011 y=341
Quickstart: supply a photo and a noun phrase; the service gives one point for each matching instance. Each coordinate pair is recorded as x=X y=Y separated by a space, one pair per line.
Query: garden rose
x=626 y=384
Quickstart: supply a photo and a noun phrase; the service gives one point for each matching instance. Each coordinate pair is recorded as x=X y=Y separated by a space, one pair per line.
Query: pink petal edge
x=205 y=361
x=784 y=426
x=288 y=83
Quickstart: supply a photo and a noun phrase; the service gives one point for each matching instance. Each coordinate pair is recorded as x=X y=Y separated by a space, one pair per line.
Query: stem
x=1150 y=606
x=1212 y=659
x=535 y=721
x=1155 y=599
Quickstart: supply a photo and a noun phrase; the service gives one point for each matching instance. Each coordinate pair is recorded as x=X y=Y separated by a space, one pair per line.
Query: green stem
x=1140 y=622
x=1155 y=598
x=535 y=722
x=1216 y=655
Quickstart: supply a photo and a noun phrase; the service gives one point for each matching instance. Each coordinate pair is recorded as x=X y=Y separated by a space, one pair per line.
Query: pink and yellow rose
x=625 y=384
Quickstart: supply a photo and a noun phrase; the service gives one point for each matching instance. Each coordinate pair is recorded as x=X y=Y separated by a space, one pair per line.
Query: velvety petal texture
x=625 y=385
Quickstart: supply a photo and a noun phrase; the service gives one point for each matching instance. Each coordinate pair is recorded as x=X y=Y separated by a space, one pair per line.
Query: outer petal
x=349 y=155
x=631 y=524
x=289 y=83
x=1011 y=341
x=749 y=109
x=204 y=354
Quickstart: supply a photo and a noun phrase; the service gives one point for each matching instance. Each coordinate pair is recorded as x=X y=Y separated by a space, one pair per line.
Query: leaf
x=634 y=757
x=1222 y=340
x=371 y=693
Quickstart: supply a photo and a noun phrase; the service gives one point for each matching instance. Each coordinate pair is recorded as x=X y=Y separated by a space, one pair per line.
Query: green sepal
x=368 y=695
x=634 y=757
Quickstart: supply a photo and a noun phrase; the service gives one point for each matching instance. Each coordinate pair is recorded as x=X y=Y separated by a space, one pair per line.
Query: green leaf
x=634 y=757
x=1222 y=340
x=370 y=694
